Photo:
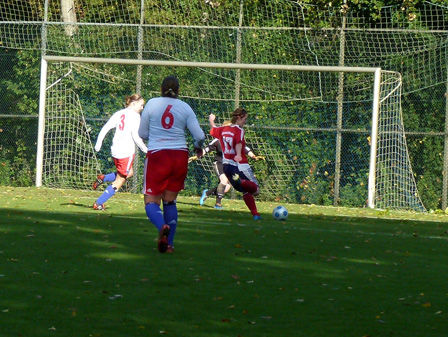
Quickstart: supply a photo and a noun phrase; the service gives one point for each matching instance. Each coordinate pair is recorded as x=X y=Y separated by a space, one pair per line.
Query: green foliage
x=17 y=164
x=24 y=93
x=6 y=173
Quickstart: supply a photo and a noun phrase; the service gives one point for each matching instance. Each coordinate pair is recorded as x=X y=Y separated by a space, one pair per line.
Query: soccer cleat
x=169 y=249
x=99 y=207
x=257 y=217
x=218 y=206
x=203 y=197
x=99 y=180
x=162 y=245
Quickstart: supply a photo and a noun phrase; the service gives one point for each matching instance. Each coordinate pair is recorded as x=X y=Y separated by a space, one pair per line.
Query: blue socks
x=110 y=177
x=169 y=217
x=107 y=194
x=155 y=215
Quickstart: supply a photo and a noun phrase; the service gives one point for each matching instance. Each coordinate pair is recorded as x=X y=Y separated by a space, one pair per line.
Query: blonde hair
x=132 y=98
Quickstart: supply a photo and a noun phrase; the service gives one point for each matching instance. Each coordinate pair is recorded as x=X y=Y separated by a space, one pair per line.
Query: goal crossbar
x=335 y=69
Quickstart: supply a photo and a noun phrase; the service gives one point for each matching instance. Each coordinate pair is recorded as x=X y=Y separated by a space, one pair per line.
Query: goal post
x=375 y=98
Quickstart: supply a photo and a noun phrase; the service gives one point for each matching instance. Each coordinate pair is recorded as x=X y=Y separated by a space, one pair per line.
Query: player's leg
x=221 y=190
x=223 y=181
x=247 y=180
x=230 y=171
x=242 y=183
x=249 y=200
x=154 y=183
x=206 y=194
x=176 y=183
x=155 y=216
x=124 y=169
x=170 y=216
x=214 y=191
x=103 y=178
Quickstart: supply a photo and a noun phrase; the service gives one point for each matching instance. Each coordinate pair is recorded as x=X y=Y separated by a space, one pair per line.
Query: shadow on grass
x=69 y=268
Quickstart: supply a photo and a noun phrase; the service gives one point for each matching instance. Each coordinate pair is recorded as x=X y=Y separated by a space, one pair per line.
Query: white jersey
x=163 y=123
x=126 y=124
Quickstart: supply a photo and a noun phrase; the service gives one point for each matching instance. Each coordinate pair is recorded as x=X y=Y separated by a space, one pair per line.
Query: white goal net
x=295 y=123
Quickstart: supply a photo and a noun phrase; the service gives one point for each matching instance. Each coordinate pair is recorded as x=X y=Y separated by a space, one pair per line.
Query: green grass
x=67 y=270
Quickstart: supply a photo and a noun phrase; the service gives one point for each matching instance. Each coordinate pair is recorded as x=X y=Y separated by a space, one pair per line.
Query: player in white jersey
x=163 y=123
x=126 y=123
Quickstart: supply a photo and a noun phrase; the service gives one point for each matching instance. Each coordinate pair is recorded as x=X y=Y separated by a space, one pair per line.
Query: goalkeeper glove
x=257 y=158
x=192 y=159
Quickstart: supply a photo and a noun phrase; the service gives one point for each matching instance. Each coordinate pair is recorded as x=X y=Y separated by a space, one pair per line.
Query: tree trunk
x=68 y=15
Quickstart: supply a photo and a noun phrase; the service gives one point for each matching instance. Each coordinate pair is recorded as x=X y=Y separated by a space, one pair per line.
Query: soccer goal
x=330 y=135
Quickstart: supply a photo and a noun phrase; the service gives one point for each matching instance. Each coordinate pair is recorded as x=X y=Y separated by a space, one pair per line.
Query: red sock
x=250 y=203
x=249 y=186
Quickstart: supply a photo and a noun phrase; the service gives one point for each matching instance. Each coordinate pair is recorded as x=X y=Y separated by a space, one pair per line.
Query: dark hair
x=170 y=87
x=132 y=98
x=239 y=112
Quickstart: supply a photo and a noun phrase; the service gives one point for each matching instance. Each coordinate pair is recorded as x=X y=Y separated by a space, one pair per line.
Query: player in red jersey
x=235 y=163
x=224 y=184
x=163 y=122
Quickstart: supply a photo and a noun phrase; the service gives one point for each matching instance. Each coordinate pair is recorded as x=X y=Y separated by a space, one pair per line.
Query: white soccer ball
x=280 y=213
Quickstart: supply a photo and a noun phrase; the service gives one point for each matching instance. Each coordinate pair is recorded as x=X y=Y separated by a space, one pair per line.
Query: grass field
x=67 y=270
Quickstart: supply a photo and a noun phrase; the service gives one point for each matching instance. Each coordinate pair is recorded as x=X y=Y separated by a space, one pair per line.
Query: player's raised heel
x=99 y=180
x=162 y=245
x=203 y=197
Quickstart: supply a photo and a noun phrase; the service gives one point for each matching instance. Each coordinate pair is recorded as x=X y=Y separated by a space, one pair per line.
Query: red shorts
x=165 y=170
x=124 y=165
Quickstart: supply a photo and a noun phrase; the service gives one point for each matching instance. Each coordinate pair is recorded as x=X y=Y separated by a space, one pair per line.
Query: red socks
x=250 y=202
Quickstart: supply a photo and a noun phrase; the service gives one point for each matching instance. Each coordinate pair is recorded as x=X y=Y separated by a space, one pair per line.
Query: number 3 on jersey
x=167 y=118
x=121 y=125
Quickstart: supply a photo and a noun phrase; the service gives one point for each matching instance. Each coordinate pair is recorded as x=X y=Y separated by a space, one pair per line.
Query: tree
x=68 y=15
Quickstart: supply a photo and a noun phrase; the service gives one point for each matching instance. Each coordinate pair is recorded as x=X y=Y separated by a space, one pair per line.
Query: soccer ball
x=280 y=213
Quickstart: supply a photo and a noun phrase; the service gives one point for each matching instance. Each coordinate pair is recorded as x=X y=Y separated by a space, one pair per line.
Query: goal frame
x=376 y=71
